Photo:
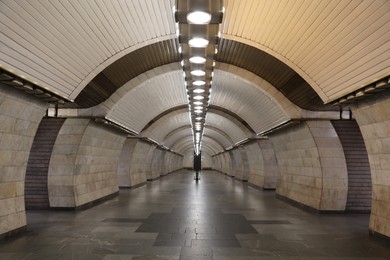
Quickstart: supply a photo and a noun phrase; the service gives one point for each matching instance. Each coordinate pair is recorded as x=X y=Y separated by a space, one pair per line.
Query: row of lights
x=198 y=29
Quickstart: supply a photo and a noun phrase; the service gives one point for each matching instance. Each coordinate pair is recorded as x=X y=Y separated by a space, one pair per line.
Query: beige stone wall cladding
x=256 y=164
x=373 y=118
x=83 y=165
x=312 y=167
x=123 y=171
x=237 y=164
x=19 y=119
x=222 y=163
x=157 y=163
x=172 y=162
x=270 y=164
x=139 y=163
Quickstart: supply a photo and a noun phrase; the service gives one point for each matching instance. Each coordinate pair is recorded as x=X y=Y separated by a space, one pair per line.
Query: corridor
x=176 y=218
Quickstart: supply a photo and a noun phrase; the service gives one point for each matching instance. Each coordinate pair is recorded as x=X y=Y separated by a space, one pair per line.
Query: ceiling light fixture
x=198 y=72
x=198 y=42
x=199 y=97
x=199 y=83
x=198 y=90
x=197 y=60
x=199 y=17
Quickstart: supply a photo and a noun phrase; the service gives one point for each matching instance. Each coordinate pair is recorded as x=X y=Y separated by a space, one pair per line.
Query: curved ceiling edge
x=291 y=109
x=129 y=63
x=280 y=57
x=298 y=87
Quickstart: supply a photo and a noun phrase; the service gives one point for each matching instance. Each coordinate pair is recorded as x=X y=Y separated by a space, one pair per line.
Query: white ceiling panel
x=141 y=104
x=61 y=44
x=337 y=46
x=218 y=136
x=246 y=100
x=180 y=135
x=227 y=126
x=167 y=124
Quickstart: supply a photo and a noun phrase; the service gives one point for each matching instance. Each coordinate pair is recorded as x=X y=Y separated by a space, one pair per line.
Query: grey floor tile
x=175 y=218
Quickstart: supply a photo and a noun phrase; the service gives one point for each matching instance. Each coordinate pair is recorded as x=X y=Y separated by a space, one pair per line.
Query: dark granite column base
x=13 y=233
x=134 y=186
x=306 y=207
x=89 y=204
x=379 y=236
x=257 y=187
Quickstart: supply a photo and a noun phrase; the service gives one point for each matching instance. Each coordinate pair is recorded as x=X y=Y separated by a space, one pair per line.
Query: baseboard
x=306 y=207
x=90 y=204
x=13 y=233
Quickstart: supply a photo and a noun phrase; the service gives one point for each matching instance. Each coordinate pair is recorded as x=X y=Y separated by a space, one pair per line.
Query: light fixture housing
x=197 y=60
x=198 y=90
x=199 y=83
x=198 y=17
x=198 y=72
x=198 y=42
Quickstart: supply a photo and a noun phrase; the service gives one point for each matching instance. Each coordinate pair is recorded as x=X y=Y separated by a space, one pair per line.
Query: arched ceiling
x=120 y=59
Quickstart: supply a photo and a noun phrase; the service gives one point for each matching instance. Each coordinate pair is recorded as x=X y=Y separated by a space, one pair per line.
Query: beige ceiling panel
x=62 y=44
x=177 y=136
x=235 y=133
x=146 y=101
x=246 y=100
x=219 y=137
x=160 y=129
x=337 y=46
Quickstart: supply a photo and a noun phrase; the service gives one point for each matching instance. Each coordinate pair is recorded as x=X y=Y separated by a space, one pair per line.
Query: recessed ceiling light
x=198 y=17
x=198 y=90
x=199 y=82
x=198 y=42
x=199 y=118
x=198 y=73
x=198 y=107
x=198 y=111
x=197 y=60
x=199 y=97
x=198 y=103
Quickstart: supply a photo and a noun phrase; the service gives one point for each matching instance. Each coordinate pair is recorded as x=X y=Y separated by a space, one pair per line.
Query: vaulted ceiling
x=276 y=61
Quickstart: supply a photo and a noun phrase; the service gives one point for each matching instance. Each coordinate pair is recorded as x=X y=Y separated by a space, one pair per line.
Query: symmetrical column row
x=305 y=163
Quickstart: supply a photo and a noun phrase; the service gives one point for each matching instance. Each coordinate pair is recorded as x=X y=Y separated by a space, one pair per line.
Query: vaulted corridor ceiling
x=276 y=61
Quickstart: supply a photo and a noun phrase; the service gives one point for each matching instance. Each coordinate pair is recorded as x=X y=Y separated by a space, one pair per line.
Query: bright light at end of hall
x=197 y=42
x=198 y=17
x=198 y=60
x=198 y=73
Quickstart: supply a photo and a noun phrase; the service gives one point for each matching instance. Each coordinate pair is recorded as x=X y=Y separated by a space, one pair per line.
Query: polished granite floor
x=177 y=218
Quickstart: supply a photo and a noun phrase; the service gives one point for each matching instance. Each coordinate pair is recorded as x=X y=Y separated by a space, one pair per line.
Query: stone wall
x=373 y=117
x=256 y=164
x=124 y=162
x=19 y=119
x=312 y=167
x=270 y=164
x=157 y=163
x=83 y=165
x=139 y=163
x=263 y=164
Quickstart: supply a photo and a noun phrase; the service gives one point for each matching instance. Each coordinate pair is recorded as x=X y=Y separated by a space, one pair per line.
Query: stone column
x=373 y=117
x=83 y=165
x=20 y=115
x=312 y=166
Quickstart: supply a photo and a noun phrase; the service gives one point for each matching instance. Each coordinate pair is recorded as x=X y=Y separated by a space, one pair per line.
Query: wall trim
x=306 y=207
x=13 y=233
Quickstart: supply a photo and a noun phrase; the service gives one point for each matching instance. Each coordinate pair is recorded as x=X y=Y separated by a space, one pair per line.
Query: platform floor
x=176 y=218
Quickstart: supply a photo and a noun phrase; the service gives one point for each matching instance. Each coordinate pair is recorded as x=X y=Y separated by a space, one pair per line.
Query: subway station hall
x=195 y=129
